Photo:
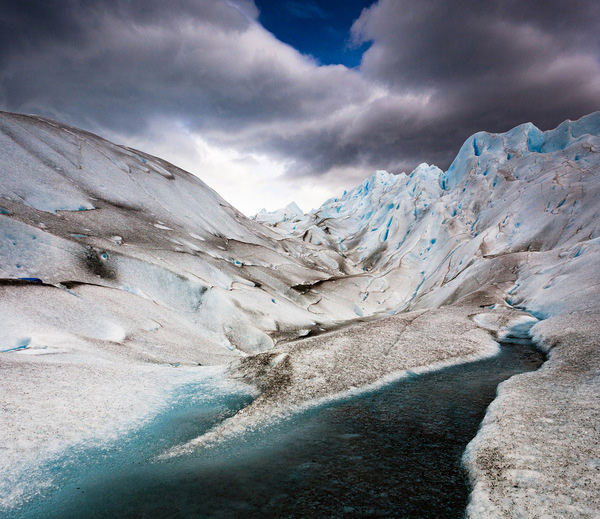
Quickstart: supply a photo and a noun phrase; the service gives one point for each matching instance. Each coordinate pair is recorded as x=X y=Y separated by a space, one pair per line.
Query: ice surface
x=155 y=231
x=158 y=270
x=116 y=266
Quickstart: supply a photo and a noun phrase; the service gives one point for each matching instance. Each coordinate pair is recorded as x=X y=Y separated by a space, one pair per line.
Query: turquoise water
x=392 y=452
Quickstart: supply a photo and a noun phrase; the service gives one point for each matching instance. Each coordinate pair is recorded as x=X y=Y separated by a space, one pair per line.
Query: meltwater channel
x=392 y=452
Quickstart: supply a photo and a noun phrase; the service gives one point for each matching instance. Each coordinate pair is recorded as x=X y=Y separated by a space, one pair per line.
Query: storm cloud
x=487 y=65
x=435 y=72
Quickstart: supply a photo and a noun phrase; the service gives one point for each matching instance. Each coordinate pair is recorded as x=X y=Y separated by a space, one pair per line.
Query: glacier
x=123 y=276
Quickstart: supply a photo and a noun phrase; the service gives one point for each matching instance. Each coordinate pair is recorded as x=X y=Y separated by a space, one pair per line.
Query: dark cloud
x=439 y=43
x=436 y=72
x=488 y=65
x=30 y=25
x=207 y=63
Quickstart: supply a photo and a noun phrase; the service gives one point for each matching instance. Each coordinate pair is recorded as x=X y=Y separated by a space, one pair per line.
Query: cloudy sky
x=270 y=101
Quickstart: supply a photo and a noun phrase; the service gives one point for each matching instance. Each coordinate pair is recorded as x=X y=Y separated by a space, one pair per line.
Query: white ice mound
x=290 y=212
x=77 y=211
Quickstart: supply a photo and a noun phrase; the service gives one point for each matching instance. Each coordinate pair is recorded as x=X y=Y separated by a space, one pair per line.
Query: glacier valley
x=125 y=279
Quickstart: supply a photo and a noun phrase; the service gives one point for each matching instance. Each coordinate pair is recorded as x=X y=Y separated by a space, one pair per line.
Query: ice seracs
x=504 y=193
x=290 y=212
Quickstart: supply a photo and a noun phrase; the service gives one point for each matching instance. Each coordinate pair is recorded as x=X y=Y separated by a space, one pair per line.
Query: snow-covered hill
x=114 y=266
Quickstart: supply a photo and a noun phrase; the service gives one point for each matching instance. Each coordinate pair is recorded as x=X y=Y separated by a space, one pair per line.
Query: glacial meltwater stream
x=391 y=452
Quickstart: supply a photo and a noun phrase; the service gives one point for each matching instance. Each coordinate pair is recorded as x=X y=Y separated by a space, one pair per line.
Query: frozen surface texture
x=117 y=267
